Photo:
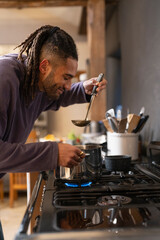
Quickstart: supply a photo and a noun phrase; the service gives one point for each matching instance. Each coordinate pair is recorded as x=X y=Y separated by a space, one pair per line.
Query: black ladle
x=85 y=122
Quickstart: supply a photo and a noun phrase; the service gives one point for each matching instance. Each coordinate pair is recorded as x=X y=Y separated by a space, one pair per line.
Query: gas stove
x=116 y=204
x=115 y=200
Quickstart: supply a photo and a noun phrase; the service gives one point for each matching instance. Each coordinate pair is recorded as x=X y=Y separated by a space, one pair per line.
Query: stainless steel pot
x=90 y=167
x=80 y=171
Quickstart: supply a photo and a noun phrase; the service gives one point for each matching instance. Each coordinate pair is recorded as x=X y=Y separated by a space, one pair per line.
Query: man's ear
x=43 y=66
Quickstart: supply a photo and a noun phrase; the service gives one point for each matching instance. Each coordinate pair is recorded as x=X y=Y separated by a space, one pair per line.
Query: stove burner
x=113 y=200
x=71 y=184
x=75 y=185
x=86 y=184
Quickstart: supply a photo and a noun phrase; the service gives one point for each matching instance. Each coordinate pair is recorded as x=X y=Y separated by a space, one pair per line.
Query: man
x=38 y=82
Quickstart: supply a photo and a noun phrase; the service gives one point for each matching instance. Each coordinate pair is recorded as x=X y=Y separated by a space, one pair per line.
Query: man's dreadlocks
x=55 y=41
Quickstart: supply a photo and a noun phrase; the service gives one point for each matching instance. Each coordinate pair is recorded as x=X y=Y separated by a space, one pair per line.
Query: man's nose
x=68 y=85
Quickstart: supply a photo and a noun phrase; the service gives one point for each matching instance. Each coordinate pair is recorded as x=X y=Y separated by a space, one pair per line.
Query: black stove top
x=114 y=200
x=115 y=205
x=119 y=180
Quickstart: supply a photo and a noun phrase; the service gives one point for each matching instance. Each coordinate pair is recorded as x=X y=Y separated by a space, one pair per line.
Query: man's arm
x=17 y=157
x=80 y=93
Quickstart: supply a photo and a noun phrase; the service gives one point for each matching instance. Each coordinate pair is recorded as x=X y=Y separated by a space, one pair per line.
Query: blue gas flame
x=87 y=184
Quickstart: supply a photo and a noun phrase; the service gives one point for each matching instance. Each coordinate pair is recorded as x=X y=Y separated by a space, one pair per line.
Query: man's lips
x=60 y=91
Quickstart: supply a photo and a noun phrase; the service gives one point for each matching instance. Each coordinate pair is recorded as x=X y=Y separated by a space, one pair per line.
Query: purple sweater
x=16 y=121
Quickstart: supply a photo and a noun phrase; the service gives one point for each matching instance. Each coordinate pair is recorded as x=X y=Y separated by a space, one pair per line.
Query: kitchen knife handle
x=141 y=123
x=99 y=79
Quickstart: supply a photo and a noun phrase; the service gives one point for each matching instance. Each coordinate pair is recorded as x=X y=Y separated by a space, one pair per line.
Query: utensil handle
x=99 y=79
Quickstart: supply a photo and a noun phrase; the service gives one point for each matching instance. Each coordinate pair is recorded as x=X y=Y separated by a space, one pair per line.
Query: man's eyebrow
x=69 y=75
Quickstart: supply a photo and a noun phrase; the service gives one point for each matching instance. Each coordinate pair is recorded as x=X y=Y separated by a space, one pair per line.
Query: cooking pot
x=79 y=171
x=90 y=167
x=93 y=159
x=118 y=163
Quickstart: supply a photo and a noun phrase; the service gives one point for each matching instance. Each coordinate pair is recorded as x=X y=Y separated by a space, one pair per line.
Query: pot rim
x=89 y=146
x=118 y=157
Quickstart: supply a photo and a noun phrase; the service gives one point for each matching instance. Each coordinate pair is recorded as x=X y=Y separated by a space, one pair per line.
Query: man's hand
x=69 y=155
x=89 y=84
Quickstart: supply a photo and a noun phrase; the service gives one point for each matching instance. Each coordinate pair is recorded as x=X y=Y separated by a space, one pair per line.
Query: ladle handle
x=99 y=79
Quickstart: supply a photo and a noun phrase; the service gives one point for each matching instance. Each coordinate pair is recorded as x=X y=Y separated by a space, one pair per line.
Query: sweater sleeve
x=29 y=157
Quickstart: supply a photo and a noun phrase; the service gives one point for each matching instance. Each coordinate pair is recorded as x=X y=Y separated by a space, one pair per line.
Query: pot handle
x=87 y=154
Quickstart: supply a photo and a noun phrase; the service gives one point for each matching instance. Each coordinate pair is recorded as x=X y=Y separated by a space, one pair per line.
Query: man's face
x=55 y=81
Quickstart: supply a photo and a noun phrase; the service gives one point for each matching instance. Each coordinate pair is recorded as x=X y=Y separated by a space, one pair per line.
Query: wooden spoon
x=133 y=121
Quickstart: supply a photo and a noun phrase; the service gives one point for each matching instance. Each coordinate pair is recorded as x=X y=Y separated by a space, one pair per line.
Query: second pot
x=118 y=163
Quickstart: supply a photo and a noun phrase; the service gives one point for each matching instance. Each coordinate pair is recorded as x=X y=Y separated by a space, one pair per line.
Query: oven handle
x=29 y=211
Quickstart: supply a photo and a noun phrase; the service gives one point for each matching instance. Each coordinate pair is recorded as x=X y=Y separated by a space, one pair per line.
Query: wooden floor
x=12 y=217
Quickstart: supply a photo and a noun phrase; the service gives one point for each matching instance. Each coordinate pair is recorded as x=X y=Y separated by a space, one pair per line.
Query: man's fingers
x=80 y=153
x=72 y=163
x=79 y=158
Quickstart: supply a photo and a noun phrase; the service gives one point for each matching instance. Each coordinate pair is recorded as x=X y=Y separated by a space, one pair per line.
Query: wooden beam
x=96 y=42
x=83 y=22
x=40 y=3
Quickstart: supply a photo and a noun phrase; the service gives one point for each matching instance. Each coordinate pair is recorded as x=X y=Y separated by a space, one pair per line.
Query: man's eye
x=67 y=78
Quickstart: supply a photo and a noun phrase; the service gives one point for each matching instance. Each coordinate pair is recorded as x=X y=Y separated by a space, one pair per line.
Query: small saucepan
x=118 y=163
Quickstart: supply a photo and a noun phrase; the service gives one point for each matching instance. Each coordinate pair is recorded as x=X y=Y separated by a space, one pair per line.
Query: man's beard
x=51 y=88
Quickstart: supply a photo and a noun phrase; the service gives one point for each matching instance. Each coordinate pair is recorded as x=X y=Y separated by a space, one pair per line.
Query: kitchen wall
x=135 y=26
x=113 y=58
x=139 y=24
x=17 y=24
